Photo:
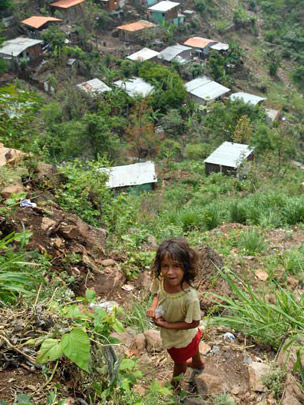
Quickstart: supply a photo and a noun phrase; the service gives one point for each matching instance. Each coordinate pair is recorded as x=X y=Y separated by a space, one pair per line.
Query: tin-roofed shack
x=165 y=11
x=144 y=54
x=135 y=87
x=247 y=98
x=70 y=9
x=178 y=53
x=131 y=32
x=142 y=176
x=14 y=50
x=200 y=45
x=94 y=87
x=203 y=90
x=227 y=158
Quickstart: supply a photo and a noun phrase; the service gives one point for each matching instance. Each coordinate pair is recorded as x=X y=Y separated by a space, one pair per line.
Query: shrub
x=252 y=242
x=197 y=151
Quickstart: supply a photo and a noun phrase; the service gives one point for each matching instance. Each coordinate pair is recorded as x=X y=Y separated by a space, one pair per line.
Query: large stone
x=48 y=225
x=8 y=191
x=256 y=373
x=139 y=344
x=292 y=393
x=153 y=341
x=108 y=262
x=204 y=348
x=208 y=384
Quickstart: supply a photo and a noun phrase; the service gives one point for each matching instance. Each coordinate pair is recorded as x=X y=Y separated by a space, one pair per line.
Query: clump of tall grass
x=252 y=242
x=293 y=261
x=249 y=312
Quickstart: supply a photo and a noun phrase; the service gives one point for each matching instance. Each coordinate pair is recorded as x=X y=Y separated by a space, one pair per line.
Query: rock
x=153 y=341
x=139 y=344
x=292 y=393
x=108 y=262
x=287 y=357
x=48 y=225
x=7 y=191
x=292 y=282
x=263 y=401
x=58 y=242
x=126 y=338
x=145 y=280
x=144 y=361
x=256 y=372
x=204 y=348
x=208 y=384
x=261 y=275
x=45 y=171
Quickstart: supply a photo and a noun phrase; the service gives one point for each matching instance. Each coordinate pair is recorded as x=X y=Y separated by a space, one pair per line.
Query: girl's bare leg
x=179 y=369
x=196 y=361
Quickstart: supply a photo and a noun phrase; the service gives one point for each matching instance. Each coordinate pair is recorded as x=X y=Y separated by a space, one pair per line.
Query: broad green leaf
x=118 y=326
x=74 y=312
x=50 y=350
x=127 y=364
x=90 y=295
x=76 y=347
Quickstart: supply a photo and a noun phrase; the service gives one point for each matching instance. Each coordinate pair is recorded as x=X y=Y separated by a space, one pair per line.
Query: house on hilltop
x=165 y=11
x=140 y=175
x=247 y=98
x=94 y=87
x=135 y=87
x=14 y=50
x=37 y=23
x=203 y=90
x=228 y=158
x=143 y=55
x=70 y=9
x=220 y=47
x=200 y=45
x=178 y=53
x=131 y=32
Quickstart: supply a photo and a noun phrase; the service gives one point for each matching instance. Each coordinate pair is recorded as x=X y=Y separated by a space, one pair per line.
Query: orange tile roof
x=66 y=3
x=136 y=26
x=198 y=42
x=38 y=21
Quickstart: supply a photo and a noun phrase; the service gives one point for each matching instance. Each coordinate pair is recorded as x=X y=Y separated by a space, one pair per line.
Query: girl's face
x=172 y=271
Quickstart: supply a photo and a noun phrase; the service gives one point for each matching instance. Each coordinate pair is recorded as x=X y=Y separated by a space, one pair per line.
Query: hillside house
x=70 y=9
x=14 y=50
x=111 y=5
x=200 y=45
x=143 y=55
x=166 y=11
x=203 y=90
x=220 y=47
x=131 y=32
x=247 y=98
x=94 y=87
x=139 y=175
x=228 y=158
x=178 y=53
x=272 y=115
x=37 y=23
x=135 y=87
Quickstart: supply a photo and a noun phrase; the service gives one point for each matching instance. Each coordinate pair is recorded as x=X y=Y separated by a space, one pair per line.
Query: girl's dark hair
x=179 y=250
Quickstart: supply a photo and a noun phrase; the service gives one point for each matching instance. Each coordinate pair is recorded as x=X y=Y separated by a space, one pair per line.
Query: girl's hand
x=161 y=322
x=151 y=312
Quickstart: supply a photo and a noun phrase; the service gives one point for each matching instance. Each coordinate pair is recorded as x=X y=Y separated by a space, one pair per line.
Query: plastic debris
x=27 y=203
x=229 y=337
x=159 y=311
x=108 y=306
x=216 y=349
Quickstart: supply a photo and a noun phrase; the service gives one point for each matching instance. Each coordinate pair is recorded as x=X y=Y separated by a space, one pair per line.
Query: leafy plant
x=252 y=242
x=274 y=381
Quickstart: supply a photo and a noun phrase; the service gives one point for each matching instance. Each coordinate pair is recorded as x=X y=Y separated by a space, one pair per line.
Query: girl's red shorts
x=182 y=354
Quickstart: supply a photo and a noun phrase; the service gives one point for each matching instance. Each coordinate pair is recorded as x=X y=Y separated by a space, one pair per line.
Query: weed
x=252 y=242
x=136 y=317
x=274 y=381
x=221 y=399
x=293 y=261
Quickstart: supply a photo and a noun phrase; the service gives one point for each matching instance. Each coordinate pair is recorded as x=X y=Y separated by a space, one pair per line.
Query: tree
x=243 y=130
x=140 y=133
x=54 y=36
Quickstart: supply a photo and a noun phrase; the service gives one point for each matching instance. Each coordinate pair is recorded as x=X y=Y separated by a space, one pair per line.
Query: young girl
x=175 y=305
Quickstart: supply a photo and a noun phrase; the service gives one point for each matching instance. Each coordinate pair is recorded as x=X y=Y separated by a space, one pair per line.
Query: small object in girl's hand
x=159 y=311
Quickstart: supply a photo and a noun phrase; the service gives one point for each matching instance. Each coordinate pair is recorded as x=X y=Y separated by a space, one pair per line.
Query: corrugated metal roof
x=163 y=6
x=94 y=86
x=220 y=46
x=37 y=21
x=131 y=175
x=247 y=98
x=205 y=88
x=272 y=114
x=171 y=52
x=143 y=54
x=67 y=3
x=229 y=154
x=135 y=87
x=136 y=26
x=14 y=47
x=198 y=42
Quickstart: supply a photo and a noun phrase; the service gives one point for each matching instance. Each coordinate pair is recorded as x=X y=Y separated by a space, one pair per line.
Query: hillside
x=76 y=255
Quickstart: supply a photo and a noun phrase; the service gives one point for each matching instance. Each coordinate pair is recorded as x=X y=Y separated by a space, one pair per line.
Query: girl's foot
x=195 y=364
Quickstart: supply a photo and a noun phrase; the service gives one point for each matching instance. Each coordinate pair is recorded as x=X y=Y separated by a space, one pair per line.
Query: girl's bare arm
x=176 y=325
x=151 y=311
